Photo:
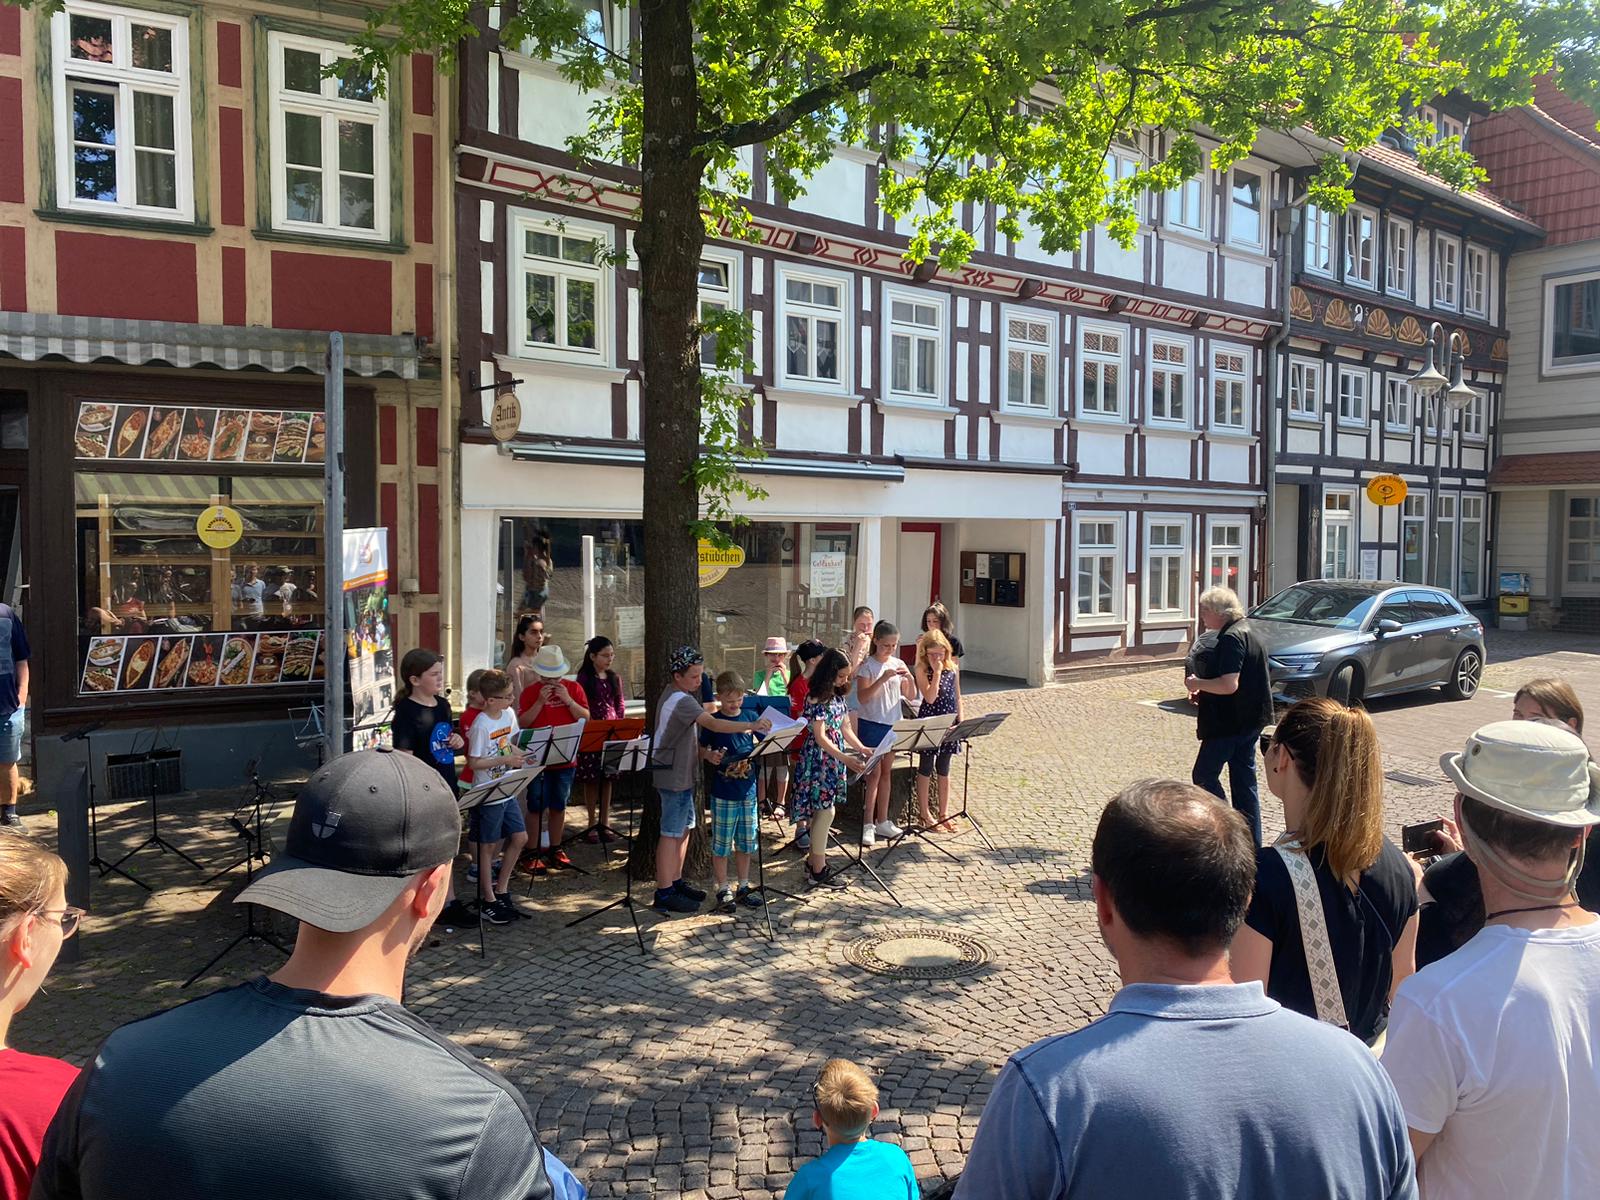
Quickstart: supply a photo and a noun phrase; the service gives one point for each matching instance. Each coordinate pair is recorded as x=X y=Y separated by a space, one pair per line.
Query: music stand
x=155 y=839
x=595 y=736
x=86 y=734
x=777 y=742
x=917 y=736
x=552 y=748
x=503 y=789
x=965 y=732
x=756 y=706
x=859 y=859
x=615 y=759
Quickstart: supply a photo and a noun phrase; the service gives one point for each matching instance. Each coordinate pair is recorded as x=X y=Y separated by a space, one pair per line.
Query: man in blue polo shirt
x=1191 y=1086
x=13 y=706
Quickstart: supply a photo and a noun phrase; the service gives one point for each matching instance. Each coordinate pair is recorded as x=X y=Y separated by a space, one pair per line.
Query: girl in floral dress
x=825 y=761
x=937 y=677
x=603 y=687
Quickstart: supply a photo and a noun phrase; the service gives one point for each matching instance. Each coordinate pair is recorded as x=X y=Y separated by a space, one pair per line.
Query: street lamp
x=1429 y=384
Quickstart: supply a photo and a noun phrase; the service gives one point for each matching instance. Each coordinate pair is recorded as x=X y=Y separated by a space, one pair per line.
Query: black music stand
x=615 y=759
x=858 y=860
x=552 y=748
x=505 y=789
x=155 y=840
x=86 y=734
x=248 y=828
x=776 y=742
x=965 y=732
x=917 y=736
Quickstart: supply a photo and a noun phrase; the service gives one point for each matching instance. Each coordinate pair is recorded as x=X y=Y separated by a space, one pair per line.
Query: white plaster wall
x=561 y=405
x=1185 y=268
x=1352 y=445
x=1112 y=259
x=803 y=425
x=1026 y=443
x=1100 y=452
x=1304 y=440
x=549 y=109
x=1166 y=457
x=1245 y=282
x=839 y=191
x=1230 y=462
x=916 y=434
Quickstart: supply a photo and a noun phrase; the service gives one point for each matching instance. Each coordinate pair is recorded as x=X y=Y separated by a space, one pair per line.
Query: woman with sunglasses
x=1332 y=927
x=34 y=920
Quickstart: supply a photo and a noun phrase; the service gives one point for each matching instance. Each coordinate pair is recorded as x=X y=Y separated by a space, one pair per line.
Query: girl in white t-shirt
x=881 y=681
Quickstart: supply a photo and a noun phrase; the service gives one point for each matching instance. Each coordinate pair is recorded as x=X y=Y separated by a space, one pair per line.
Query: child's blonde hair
x=927 y=641
x=729 y=681
x=845 y=1097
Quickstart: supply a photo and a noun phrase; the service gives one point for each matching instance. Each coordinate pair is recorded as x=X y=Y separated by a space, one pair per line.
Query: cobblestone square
x=686 y=1070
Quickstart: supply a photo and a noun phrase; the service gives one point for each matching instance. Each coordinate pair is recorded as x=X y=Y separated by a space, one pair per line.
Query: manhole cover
x=917 y=954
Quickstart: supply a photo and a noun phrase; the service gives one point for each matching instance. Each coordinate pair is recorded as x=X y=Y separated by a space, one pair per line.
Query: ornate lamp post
x=1429 y=385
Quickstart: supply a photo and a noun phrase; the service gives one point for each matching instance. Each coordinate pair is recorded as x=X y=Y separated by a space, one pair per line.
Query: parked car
x=1355 y=640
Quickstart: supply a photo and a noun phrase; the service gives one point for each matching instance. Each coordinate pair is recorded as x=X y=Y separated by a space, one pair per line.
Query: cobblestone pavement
x=686 y=1071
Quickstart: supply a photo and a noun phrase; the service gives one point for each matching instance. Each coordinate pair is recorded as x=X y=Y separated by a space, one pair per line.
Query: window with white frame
x=1352 y=396
x=601 y=23
x=1225 y=557
x=1247 y=206
x=559 y=288
x=719 y=284
x=1186 y=205
x=1121 y=163
x=1101 y=356
x=1360 y=246
x=1169 y=381
x=1097 y=586
x=914 y=346
x=1472 y=417
x=1230 y=388
x=330 y=141
x=1319 y=225
x=1446 y=271
x=1030 y=361
x=121 y=86
x=1413 y=538
x=1165 y=560
x=1444 y=571
x=1397 y=405
x=1470 y=582
x=1305 y=389
x=1572 y=322
x=1582 y=552
x=1397 y=256
x=1338 y=534
x=813 y=312
x=1476 y=298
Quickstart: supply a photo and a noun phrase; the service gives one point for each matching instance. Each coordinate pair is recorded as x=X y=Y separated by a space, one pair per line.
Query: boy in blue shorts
x=491 y=752
x=854 y=1167
x=734 y=822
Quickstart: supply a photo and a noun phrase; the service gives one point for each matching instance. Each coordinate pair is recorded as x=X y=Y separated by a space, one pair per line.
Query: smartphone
x=1418 y=839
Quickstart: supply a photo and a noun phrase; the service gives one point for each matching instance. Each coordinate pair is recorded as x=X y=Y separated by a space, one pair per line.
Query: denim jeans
x=1238 y=754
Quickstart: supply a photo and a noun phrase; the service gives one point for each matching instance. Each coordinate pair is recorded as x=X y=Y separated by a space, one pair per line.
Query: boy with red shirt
x=551 y=702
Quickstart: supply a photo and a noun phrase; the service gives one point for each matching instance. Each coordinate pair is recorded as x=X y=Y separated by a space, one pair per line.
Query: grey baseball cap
x=362 y=827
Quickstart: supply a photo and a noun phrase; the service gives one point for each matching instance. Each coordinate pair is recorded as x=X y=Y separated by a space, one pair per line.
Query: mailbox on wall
x=995 y=579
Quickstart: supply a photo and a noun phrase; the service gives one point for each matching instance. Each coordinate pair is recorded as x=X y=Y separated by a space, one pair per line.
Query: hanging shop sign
x=1384 y=490
x=715 y=563
x=505 y=417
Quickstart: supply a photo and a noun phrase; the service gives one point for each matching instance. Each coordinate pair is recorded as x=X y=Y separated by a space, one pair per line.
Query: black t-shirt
x=1363 y=928
x=1454 y=913
x=1247 y=710
x=425 y=732
x=266 y=1091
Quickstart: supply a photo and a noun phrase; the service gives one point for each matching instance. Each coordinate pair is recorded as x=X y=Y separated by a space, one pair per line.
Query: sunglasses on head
x=1266 y=742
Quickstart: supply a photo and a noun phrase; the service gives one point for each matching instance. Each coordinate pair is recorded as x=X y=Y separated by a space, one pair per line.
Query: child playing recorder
x=491 y=752
x=734 y=820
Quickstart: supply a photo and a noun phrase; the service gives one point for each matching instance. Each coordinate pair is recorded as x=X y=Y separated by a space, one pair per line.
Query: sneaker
x=725 y=902
x=558 y=858
x=749 y=897
x=533 y=866
x=888 y=830
x=10 y=820
x=506 y=905
x=825 y=878
x=693 y=893
x=672 y=903
x=491 y=913
x=869 y=835
x=472 y=872
x=457 y=915
x=802 y=841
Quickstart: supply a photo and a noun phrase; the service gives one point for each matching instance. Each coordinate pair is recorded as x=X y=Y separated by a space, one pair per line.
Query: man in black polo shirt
x=1235 y=700
x=313 y=1084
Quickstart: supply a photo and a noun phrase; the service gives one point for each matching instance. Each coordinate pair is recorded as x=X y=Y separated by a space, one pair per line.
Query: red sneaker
x=558 y=858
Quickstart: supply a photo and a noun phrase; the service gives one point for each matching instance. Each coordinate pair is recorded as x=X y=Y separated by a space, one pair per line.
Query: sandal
x=592 y=837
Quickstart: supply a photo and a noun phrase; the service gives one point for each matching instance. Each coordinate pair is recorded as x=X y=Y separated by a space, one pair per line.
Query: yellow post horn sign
x=219 y=526
x=715 y=563
x=1385 y=490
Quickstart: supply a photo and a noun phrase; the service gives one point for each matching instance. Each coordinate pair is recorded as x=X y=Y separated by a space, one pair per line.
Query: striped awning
x=127 y=488
x=33 y=337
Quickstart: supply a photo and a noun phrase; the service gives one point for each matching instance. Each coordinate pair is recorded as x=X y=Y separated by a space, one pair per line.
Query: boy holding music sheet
x=492 y=751
x=734 y=820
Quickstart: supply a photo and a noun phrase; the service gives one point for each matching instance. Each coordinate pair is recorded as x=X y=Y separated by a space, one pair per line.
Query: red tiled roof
x=1395 y=162
x=1551 y=470
x=1545 y=168
x=1564 y=110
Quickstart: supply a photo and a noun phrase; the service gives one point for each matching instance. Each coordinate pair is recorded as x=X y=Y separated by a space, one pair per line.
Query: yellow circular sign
x=1385 y=490
x=716 y=563
x=219 y=526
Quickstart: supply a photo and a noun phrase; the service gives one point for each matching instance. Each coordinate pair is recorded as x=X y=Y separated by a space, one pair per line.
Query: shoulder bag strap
x=1313 y=933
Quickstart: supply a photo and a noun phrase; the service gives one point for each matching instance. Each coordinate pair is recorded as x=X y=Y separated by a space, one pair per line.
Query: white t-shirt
x=883 y=706
x=1498 y=1046
x=491 y=736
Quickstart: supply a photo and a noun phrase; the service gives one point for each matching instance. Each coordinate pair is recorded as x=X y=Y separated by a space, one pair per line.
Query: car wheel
x=1345 y=686
x=1465 y=675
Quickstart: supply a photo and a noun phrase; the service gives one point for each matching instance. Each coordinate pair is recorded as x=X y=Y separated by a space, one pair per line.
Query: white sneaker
x=869 y=834
x=888 y=830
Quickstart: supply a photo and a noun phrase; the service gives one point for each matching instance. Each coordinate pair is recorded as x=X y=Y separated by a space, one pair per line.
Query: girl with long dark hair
x=603 y=687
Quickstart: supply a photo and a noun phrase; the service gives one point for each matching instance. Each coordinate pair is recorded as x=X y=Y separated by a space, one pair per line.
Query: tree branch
x=750 y=133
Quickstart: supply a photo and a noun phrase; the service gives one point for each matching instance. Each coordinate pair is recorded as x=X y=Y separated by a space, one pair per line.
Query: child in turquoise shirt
x=854 y=1167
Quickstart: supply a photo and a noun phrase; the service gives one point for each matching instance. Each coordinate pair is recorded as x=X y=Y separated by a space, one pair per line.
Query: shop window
x=1098 y=588
x=330 y=141
x=121 y=91
x=1169 y=381
x=561 y=294
x=1230 y=385
x=1413 y=538
x=1444 y=571
x=1583 y=539
x=1471 y=580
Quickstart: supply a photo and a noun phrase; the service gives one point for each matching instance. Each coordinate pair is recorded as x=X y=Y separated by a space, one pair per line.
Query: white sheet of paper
x=781 y=723
x=565 y=737
x=634 y=754
x=514 y=780
x=883 y=748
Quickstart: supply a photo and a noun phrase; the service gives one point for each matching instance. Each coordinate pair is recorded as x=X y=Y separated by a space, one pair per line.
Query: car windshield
x=1335 y=607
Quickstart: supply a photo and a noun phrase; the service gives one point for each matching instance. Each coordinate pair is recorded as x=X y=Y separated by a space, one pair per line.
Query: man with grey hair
x=1235 y=700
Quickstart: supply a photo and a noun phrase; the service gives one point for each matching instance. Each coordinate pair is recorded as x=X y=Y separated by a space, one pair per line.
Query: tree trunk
x=668 y=244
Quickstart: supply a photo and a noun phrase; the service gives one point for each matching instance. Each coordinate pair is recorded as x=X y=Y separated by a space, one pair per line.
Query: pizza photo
x=234 y=668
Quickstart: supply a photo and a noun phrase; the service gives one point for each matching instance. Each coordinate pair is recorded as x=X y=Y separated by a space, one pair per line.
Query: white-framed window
x=913 y=352
x=1247 y=208
x=1475 y=297
x=814 y=314
x=1414 y=538
x=1397 y=256
x=1097 y=580
x=1230 y=387
x=1572 y=323
x=1319 y=225
x=1225 y=557
x=559 y=290
x=1352 y=396
x=604 y=23
x=719 y=292
x=1472 y=420
x=1166 y=562
x=1430 y=117
x=1338 y=534
x=1470 y=584
x=1582 y=550
x=1120 y=164
x=1170 y=360
x=1305 y=389
x=330 y=142
x=1397 y=411
x=1186 y=204
x=1360 y=246
x=122 y=130
x=1030 y=354
x=1446 y=271
x=1102 y=370
x=1444 y=571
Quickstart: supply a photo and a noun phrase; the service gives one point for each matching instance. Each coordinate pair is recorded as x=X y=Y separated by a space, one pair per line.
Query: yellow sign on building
x=219 y=526
x=1385 y=490
x=715 y=563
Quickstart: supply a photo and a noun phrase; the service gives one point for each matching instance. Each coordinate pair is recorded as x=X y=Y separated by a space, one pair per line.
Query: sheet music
x=507 y=785
x=879 y=752
x=563 y=740
x=631 y=755
x=782 y=723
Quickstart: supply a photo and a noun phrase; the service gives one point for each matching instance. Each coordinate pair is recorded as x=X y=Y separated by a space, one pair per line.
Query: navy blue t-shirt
x=735 y=777
x=13 y=649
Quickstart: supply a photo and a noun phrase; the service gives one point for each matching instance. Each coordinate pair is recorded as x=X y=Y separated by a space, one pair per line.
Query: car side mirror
x=1388 y=625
